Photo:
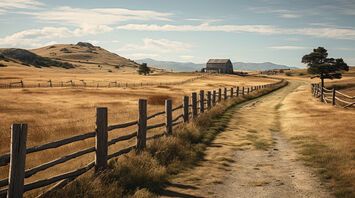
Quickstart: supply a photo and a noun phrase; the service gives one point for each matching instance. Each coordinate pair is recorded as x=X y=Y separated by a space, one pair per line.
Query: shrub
x=288 y=74
x=88 y=187
x=143 y=193
x=134 y=171
x=2 y=65
x=110 y=70
x=172 y=153
x=157 y=99
x=189 y=133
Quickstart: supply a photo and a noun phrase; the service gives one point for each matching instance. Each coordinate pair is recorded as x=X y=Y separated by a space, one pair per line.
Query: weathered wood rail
x=14 y=185
x=90 y=84
x=332 y=96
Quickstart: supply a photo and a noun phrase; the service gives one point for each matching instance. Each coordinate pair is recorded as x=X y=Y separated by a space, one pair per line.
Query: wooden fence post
x=333 y=97
x=169 y=117
x=101 y=146
x=50 y=83
x=237 y=91
x=214 y=97
x=225 y=94
x=243 y=91
x=321 y=94
x=17 y=160
x=209 y=100
x=232 y=92
x=186 y=108
x=142 y=125
x=202 y=101
x=313 y=90
x=22 y=85
x=219 y=95
x=248 y=90
x=194 y=104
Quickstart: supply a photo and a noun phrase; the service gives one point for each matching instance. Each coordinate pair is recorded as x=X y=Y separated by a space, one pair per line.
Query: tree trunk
x=322 y=86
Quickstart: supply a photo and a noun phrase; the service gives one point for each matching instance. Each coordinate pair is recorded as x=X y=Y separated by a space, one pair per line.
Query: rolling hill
x=84 y=53
x=28 y=58
x=189 y=66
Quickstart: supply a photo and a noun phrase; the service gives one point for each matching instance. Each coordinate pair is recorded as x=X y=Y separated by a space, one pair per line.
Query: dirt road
x=251 y=158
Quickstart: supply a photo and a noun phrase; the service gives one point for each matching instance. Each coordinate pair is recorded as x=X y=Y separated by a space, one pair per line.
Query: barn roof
x=218 y=61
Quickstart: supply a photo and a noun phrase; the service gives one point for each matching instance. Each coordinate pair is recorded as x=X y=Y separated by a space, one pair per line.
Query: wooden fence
x=92 y=84
x=14 y=185
x=332 y=96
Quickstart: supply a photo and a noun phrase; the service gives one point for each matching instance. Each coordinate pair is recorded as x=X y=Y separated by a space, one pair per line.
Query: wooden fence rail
x=88 y=84
x=14 y=185
x=332 y=96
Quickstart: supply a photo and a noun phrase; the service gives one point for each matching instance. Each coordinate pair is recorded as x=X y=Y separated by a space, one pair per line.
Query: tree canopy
x=323 y=67
x=143 y=69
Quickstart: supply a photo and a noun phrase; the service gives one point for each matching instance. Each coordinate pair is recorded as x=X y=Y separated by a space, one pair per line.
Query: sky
x=279 y=31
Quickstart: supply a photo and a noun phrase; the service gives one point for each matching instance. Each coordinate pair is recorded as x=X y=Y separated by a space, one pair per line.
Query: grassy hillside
x=28 y=58
x=84 y=53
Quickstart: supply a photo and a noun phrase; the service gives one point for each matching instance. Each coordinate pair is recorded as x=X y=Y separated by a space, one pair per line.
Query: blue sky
x=278 y=31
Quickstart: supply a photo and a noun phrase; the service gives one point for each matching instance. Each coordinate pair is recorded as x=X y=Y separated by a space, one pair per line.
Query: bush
x=88 y=187
x=134 y=171
x=158 y=99
x=288 y=74
x=172 y=153
x=2 y=65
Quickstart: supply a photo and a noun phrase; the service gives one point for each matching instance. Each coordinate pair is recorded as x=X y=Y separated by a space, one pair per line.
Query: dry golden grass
x=325 y=136
x=56 y=113
x=163 y=157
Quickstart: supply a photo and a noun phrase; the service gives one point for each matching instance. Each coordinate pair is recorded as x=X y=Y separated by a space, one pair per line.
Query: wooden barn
x=224 y=66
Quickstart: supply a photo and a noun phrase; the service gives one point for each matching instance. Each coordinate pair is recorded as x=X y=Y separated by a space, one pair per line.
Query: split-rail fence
x=89 y=84
x=332 y=96
x=191 y=108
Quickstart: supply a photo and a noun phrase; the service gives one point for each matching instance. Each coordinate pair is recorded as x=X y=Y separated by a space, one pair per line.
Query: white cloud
x=283 y=13
x=265 y=29
x=288 y=47
x=97 y=16
x=136 y=56
x=333 y=33
x=19 y=4
x=157 y=45
x=187 y=57
x=154 y=48
x=33 y=38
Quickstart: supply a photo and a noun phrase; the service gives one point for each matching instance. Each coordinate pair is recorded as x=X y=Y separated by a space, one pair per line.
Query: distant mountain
x=170 y=65
x=259 y=66
x=189 y=66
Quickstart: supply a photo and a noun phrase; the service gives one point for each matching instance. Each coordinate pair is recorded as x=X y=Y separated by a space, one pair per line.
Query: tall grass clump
x=136 y=170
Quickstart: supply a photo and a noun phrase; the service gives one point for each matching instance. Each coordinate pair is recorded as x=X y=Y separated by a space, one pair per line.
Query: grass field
x=55 y=113
x=324 y=136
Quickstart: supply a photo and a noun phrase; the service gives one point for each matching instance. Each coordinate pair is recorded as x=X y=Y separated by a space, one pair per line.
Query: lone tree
x=143 y=69
x=323 y=67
